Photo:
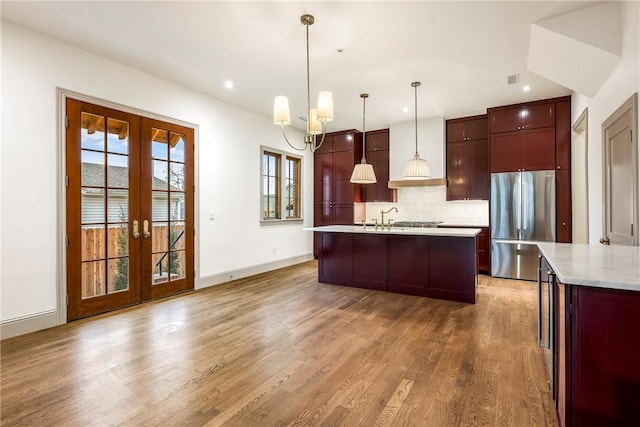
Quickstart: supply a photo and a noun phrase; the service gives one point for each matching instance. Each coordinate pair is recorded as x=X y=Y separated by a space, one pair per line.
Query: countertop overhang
x=602 y=266
x=408 y=231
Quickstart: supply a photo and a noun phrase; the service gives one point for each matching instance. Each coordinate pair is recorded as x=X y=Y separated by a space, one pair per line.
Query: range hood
x=399 y=183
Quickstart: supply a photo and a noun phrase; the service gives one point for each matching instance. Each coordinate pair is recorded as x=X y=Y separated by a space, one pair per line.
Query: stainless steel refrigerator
x=523 y=212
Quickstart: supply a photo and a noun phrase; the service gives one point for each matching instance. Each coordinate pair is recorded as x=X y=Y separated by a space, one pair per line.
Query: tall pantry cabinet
x=333 y=193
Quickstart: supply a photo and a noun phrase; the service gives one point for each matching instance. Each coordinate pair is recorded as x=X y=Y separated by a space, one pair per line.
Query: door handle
x=145 y=229
x=604 y=240
x=136 y=231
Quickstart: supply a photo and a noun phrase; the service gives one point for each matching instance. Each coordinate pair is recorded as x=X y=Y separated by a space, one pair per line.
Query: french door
x=129 y=209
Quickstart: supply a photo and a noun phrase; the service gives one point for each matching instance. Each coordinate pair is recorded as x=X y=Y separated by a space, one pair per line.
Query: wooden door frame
x=61 y=202
x=631 y=105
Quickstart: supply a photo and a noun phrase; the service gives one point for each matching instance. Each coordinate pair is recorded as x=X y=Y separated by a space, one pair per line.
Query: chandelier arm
x=284 y=133
x=313 y=149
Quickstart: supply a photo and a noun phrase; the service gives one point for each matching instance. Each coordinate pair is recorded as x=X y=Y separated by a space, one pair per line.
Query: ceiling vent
x=513 y=79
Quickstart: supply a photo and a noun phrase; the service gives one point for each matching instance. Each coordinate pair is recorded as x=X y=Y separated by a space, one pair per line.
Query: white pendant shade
x=325 y=106
x=281 y=111
x=416 y=168
x=315 y=127
x=363 y=174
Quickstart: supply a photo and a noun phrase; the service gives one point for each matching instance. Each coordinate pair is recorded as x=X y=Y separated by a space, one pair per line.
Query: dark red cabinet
x=525 y=150
x=333 y=193
x=377 y=154
x=483 y=248
x=521 y=117
x=467 y=159
x=431 y=266
x=563 y=135
x=563 y=206
x=598 y=344
x=467 y=128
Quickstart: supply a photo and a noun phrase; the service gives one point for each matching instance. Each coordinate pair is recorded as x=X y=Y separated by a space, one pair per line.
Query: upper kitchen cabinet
x=467 y=159
x=467 y=128
x=340 y=141
x=377 y=153
x=520 y=117
x=527 y=150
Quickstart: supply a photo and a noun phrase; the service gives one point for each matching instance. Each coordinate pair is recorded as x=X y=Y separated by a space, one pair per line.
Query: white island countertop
x=613 y=267
x=407 y=231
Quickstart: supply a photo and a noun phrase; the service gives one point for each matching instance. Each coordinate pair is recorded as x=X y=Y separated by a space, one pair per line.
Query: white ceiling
x=462 y=52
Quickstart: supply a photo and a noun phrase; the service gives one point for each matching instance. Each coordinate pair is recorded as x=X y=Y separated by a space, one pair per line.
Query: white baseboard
x=227 y=276
x=24 y=325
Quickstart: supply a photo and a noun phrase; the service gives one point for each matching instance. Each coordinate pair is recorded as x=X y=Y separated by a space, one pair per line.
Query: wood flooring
x=282 y=349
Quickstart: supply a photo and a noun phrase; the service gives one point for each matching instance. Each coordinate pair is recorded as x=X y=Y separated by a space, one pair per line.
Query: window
x=281 y=186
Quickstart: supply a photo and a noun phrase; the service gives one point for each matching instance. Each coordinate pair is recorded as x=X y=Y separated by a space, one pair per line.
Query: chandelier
x=317 y=118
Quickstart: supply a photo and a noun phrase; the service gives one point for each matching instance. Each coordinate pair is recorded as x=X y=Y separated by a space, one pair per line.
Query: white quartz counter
x=614 y=267
x=407 y=231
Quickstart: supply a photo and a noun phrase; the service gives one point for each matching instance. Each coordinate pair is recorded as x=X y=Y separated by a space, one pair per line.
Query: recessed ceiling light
x=228 y=84
x=526 y=88
x=405 y=110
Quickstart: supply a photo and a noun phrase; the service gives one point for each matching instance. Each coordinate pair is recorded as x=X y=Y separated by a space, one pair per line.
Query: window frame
x=281 y=183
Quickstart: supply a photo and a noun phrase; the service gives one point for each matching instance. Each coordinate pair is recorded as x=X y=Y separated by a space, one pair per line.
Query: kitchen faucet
x=382 y=212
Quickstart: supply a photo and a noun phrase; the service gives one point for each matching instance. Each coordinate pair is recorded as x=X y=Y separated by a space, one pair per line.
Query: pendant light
x=317 y=118
x=363 y=172
x=416 y=168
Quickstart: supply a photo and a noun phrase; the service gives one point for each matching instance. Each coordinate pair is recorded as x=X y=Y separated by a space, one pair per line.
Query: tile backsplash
x=428 y=204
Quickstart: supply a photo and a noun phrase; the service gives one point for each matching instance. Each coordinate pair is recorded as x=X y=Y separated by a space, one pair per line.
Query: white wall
x=622 y=83
x=402 y=146
x=33 y=67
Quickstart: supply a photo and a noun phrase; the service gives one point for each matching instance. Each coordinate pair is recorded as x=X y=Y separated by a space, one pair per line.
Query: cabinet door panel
x=323 y=178
x=408 y=264
x=378 y=140
x=505 y=152
x=505 y=120
x=456 y=131
x=344 y=142
x=563 y=135
x=457 y=170
x=478 y=178
x=477 y=129
x=369 y=261
x=538 y=116
x=539 y=149
x=327 y=145
x=606 y=367
x=563 y=206
x=337 y=257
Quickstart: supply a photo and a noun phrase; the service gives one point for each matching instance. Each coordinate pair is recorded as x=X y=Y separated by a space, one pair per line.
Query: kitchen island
x=431 y=262
x=595 y=343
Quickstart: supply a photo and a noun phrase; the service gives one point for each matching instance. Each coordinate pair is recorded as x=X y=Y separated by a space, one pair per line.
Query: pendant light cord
x=364 y=133
x=415 y=86
x=308 y=85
